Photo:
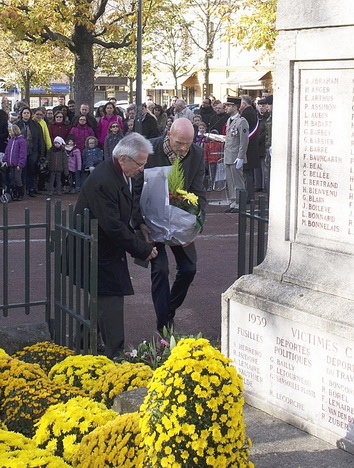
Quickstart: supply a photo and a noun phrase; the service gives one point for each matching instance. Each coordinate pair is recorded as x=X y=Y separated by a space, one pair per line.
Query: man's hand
x=153 y=254
x=146 y=233
x=239 y=163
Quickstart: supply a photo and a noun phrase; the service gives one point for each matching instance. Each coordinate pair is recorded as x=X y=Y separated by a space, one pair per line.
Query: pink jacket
x=102 y=128
x=74 y=159
x=81 y=132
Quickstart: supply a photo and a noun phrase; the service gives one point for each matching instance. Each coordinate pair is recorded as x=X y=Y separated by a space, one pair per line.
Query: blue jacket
x=91 y=157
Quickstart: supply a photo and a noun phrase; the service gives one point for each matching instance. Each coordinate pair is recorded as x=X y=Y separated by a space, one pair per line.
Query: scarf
x=172 y=156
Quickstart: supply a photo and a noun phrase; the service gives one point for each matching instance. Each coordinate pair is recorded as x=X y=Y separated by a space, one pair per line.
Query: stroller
x=5 y=195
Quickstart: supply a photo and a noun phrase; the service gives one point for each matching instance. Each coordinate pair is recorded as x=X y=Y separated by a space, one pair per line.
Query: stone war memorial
x=289 y=327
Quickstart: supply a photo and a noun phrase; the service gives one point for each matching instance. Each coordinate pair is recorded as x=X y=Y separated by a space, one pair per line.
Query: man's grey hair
x=181 y=102
x=132 y=145
x=247 y=99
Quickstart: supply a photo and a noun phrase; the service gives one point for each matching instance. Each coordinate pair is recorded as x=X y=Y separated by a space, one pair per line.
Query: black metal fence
x=252 y=233
x=68 y=291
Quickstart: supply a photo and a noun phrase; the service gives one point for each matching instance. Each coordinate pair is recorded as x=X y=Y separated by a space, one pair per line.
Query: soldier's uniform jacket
x=236 y=141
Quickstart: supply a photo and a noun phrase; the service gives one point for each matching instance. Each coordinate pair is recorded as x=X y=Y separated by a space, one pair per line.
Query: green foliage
x=175 y=177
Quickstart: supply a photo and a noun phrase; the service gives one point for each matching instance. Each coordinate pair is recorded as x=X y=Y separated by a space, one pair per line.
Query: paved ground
x=276 y=444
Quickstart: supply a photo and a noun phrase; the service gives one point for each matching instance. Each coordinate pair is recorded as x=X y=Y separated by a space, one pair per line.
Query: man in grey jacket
x=236 y=143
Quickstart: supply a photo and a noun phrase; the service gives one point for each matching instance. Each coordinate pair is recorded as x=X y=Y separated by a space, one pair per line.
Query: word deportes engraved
x=303 y=371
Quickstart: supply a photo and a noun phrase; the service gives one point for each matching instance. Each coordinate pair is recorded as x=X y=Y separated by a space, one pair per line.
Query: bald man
x=177 y=143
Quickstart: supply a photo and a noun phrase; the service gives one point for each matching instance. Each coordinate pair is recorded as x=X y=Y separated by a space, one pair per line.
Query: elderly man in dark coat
x=107 y=193
x=250 y=114
x=177 y=143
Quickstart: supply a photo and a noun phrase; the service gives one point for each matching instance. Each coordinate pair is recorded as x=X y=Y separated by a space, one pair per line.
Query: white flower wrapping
x=168 y=224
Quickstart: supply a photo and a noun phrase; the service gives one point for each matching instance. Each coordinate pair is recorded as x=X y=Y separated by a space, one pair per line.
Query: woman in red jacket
x=59 y=127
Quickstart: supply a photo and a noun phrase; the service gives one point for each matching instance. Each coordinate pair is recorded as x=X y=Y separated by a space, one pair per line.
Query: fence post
x=261 y=229
x=242 y=228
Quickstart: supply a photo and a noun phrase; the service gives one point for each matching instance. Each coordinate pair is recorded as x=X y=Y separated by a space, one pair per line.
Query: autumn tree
x=204 y=22
x=32 y=65
x=255 y=27
x=174 y=52
x=79 y=26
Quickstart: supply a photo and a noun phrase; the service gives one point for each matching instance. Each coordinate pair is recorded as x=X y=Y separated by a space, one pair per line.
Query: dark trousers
x=29 y=174
x=110 y=318
x=249 y=183
x=167 y=300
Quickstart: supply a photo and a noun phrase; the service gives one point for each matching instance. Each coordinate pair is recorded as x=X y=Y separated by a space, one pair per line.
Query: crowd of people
x=102 y=158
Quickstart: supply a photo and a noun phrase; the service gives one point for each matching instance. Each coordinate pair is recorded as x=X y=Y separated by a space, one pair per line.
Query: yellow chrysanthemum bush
x=118 y=379
x=46 y=354
x=34 y=458
x=12 y=368
x=3 y=353
x=10 y=441
x=116 y=444
x=80 y=371
x=62 y=427
x=25 y=402
x=192 y=415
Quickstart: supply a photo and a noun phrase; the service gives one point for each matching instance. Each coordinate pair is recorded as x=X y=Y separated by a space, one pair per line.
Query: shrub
x=25 y=402
x=62 y=427
x=3 y=353
x=118 y=379
x=80 y=371
x=116 y=444
x=45 y=354
x=10 y=441
x=34 y=458
x=192 y=415
x=12 y=368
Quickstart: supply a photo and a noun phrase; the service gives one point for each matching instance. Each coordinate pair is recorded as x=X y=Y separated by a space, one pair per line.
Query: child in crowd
x=57 y=164
x=200 y=139
x=74 y=164
x=114 y=135
x=130 y=126
x=91 y=156
x=15 y=159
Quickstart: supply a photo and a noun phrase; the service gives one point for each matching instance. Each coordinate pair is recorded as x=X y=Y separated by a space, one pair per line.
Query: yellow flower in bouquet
x=179 y=197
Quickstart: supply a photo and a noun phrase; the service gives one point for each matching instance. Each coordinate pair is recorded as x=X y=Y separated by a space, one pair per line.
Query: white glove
x=239 y=163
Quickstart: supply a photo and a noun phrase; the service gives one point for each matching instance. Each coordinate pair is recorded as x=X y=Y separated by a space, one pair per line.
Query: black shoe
x=31 y=194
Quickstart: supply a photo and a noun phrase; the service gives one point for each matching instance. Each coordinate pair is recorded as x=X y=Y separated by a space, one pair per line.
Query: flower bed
x=191 y=417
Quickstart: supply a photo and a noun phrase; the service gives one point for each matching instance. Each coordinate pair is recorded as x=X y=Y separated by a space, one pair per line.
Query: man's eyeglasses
x=136 y=162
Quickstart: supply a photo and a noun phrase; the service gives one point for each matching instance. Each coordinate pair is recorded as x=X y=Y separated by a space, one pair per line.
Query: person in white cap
x=57 y=164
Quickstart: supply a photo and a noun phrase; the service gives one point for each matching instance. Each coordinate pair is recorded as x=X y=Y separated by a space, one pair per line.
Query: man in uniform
x=236 y=144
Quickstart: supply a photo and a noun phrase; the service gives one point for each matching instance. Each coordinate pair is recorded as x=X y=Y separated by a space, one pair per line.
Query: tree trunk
x=84 y=73
x=206 y=72
x=27 y=85
x=131 y=89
